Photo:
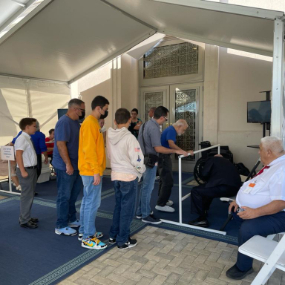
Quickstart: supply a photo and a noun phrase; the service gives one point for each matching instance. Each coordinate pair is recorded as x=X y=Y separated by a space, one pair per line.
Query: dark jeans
x=263 y=226
x=39 y=165
x=125 y=194
x=201 y=197
x=166 y=179
x=68 y=189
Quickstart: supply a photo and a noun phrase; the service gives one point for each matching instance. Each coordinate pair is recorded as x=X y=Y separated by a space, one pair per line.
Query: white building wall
x=241 y=78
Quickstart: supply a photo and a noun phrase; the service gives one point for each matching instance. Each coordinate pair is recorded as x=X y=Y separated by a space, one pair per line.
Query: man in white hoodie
x=127 y=163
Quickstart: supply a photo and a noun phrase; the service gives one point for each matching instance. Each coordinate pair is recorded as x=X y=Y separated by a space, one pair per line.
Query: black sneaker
x=112 y=240
x=236 y=274
x=200 y=222
x=151 y=219
x=131 y=243
x=139 y=217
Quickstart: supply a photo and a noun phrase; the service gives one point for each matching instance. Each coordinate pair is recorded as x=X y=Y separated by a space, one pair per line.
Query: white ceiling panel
x=68 y=38
x=248 y=33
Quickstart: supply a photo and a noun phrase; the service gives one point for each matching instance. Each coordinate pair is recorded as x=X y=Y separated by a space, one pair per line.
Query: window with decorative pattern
x=171 y=60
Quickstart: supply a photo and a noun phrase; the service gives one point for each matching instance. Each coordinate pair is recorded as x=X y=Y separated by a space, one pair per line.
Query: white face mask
x=179 y=134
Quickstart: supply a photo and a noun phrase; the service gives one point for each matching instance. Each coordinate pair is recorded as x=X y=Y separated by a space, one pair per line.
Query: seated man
x=260 y=203
x=223 y=180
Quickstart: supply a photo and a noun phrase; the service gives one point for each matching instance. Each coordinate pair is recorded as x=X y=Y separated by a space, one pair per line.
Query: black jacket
x=220 y=171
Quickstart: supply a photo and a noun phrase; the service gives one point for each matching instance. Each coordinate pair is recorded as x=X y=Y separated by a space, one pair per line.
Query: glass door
x=153 y=97
x=186 y=103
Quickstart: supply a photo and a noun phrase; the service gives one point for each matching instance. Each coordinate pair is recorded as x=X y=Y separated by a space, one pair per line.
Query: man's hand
x=97 y=179
x=24 y=174
x=69 y=169
x=180 y=151
x=248 y=213
x=233 y=207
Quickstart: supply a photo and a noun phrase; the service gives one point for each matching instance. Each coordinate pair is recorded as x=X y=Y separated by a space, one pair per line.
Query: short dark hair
x=99 y=101
x=76 y=102
x=50 y=131
x=122 y=116
x=135 y=110
x=26 y=122
x=160 y=112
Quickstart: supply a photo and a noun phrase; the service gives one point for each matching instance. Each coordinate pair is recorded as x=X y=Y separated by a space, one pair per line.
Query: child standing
x=26 y=158
x=127 y=163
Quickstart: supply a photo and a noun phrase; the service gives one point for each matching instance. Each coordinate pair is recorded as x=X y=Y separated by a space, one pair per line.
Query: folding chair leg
x=263 y=275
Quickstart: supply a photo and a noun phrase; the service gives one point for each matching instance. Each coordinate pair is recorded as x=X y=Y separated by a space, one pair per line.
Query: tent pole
x=277 y=114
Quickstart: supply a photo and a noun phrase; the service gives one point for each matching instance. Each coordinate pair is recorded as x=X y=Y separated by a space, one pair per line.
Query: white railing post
x=180 y=188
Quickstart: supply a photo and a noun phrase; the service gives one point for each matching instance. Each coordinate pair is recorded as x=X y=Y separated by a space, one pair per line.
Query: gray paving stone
x=167 y=257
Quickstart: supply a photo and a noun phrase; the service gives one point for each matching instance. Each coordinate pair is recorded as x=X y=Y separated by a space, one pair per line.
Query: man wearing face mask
x=65 y=162
x=91 y=164
x=168 y=140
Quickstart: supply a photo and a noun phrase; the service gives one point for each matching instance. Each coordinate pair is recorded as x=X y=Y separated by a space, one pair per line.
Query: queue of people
x=79 y=160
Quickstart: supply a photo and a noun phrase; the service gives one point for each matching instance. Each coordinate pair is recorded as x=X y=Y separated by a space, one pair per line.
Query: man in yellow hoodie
x=91 y=165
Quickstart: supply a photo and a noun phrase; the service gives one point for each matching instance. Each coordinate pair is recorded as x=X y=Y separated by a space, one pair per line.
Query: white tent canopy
x=65 y=39
x=68 y=38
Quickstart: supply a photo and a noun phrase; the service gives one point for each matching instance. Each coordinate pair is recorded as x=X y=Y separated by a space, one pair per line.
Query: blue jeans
x=68 y=189
x=263 y=226
x=125 y=194
x=90 y=203
x=144 y=194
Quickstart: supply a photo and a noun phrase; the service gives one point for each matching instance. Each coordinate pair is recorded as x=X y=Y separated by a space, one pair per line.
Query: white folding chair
x=268 y=251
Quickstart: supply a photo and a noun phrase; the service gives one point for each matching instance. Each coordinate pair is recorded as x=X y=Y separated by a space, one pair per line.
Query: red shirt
x=49 y=144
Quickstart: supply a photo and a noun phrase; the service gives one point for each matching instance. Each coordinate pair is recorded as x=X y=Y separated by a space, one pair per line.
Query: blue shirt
x=66 y=130
x=168 y=134
x=38 y=139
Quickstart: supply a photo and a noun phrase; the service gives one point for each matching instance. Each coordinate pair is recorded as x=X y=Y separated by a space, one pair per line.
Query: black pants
x=39 y=165
x=166 y=179
x=201 y=197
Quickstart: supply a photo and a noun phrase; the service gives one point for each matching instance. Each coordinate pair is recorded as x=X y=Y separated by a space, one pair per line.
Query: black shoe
x=236 y=274
x=29 y=225
x=200 y=222
x=131 y=243
x=112 y=240
x=151 y=219
x=34 y=220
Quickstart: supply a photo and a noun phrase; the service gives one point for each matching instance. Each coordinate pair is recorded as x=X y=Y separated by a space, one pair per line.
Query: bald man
x=168 y=140
x=260 y=203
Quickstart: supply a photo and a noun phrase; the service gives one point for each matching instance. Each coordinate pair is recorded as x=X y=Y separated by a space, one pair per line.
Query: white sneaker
x=75 y=224
x=66 y=231
x=169 y=203
x=165 y=209
x=19 y=188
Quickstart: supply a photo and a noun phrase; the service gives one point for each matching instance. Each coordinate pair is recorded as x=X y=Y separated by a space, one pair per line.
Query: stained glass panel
x=185 y=108
x=152 y=99
x=171 y=60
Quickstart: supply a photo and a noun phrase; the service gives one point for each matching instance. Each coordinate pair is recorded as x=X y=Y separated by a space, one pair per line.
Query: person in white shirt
x=260 y=202
x=26 y=158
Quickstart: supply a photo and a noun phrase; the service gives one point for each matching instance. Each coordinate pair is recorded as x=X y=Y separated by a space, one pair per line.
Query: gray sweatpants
x=28 y=185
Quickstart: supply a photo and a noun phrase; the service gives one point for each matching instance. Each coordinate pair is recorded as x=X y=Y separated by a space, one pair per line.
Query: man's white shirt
x=25 y=144
x=264 y=188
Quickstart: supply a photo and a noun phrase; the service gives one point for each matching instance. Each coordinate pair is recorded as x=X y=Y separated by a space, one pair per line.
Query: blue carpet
x=40 y=257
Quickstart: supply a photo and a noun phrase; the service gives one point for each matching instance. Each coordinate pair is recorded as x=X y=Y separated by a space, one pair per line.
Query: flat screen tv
x=259 y=112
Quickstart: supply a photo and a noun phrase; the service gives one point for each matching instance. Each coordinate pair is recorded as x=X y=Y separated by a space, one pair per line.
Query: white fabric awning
x=68 y=38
